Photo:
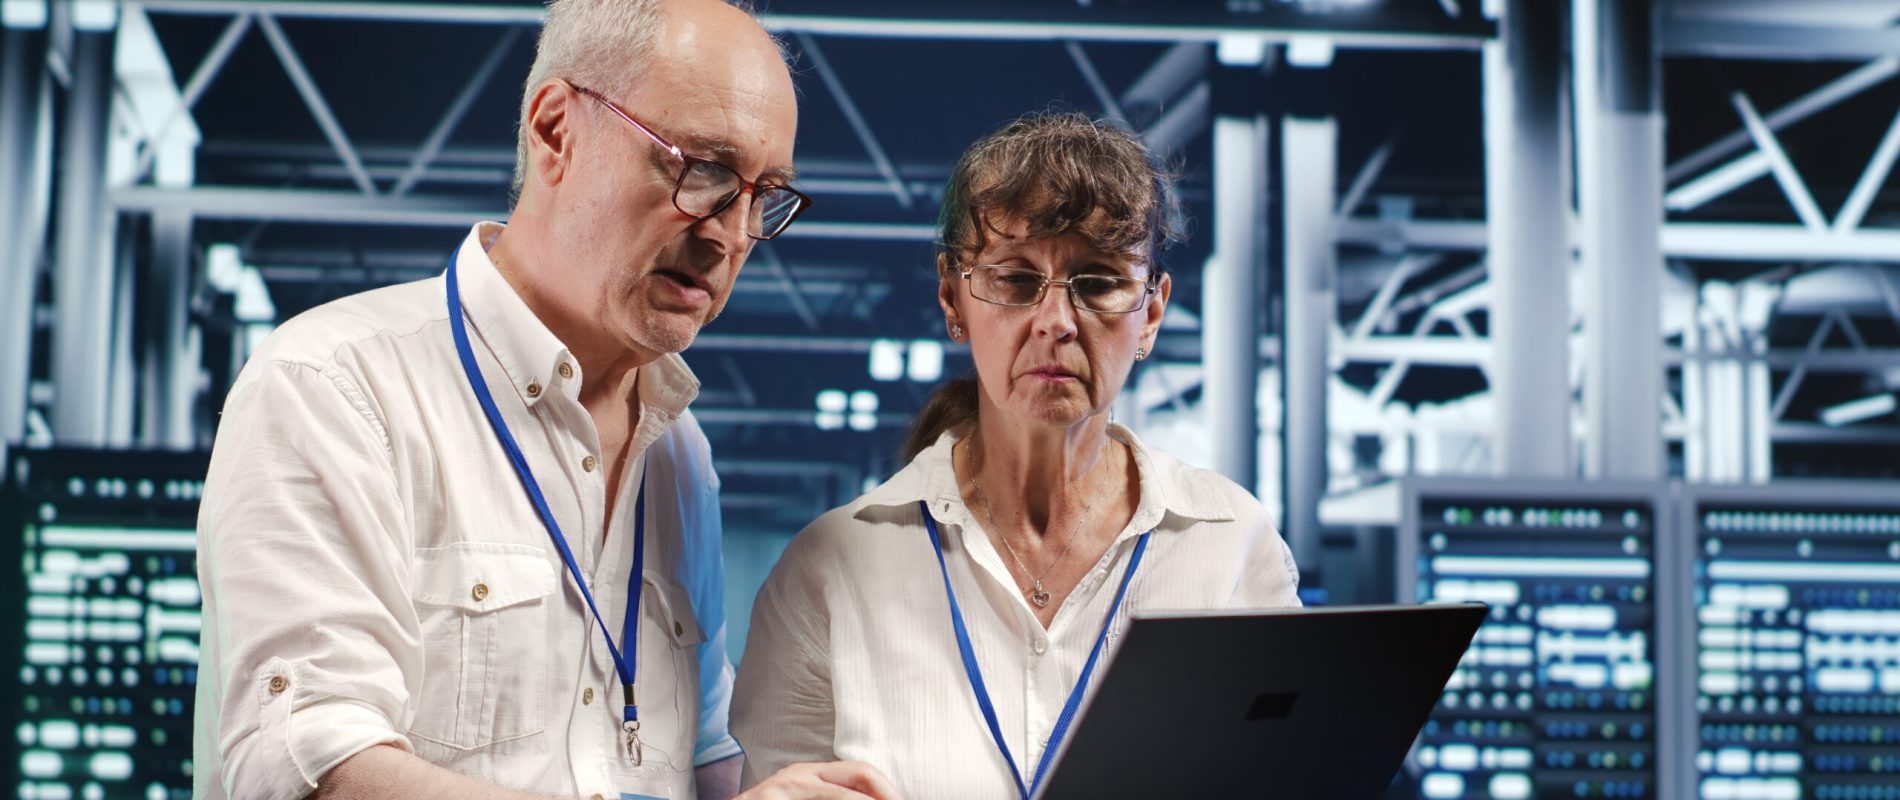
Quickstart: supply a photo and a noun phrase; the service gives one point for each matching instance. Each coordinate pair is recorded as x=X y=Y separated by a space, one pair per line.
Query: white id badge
x=651 y=780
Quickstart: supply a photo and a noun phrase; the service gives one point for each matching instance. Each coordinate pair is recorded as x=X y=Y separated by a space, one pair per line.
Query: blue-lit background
x=1586 y=309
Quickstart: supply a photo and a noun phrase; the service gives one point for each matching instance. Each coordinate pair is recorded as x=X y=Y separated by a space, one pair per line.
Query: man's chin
x=666 y=338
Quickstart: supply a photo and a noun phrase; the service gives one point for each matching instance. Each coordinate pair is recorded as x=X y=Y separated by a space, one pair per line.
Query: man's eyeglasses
x=1102 y=294
x=705 y=188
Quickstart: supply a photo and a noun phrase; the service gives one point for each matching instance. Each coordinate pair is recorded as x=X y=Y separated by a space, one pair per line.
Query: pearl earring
x=956 y=333
x=1141 y=353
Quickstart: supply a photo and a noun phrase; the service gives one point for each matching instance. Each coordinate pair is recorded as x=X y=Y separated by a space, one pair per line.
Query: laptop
x=1294 y=704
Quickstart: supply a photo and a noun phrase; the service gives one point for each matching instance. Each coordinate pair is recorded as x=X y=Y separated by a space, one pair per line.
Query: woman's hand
x=832 y=780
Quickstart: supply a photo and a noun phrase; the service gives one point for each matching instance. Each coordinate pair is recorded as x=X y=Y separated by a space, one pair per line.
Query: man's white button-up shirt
x=374 y=573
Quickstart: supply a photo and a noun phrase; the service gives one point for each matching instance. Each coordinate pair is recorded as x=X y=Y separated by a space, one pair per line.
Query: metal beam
x=825 y=345
x=1168 y=76
x=201 y=78
x=1389 y=290
x=1179 y=124
x=1230 y=297
x=439 y=136
x=1619 y=198
x=1363 y=180
x=313 y=99
x=1829 y=94
x=1785 y=173
x=1720 y=181
x=1721 y=241
x=1093 y=78
x=768 y=259
x=1870 y=181
x=1309 y=154
x=859 y=126
x=783 y=417
x=1745 y=242
x=84 y=277
x=1793 y=382
x=1755 y=41
x=24 y=105
x=309 y=205
x=1528 y=205
x=328 y=206
x=892 y=22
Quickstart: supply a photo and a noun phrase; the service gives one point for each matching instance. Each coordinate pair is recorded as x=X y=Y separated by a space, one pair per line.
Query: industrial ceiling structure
x=181 y=175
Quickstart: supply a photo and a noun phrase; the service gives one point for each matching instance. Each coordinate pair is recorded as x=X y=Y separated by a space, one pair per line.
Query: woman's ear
x=1157 y=306
x=947 y=279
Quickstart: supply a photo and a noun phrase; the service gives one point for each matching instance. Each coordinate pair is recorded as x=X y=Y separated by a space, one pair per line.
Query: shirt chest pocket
x=669 y=667
x=484 y=612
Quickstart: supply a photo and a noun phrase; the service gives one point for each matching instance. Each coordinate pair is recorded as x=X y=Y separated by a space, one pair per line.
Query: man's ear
x=551 y=131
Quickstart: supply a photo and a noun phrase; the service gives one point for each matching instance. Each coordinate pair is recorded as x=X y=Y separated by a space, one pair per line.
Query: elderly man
x=460 y=538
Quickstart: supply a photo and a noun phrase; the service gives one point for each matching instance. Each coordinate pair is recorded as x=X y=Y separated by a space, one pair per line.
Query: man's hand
x=834 y=780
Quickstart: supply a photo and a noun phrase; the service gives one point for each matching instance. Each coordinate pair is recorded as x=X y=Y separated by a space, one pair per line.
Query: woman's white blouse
x=852 y=656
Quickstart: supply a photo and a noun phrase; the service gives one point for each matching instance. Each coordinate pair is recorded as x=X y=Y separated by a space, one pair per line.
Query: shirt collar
x=1167 y=485
x=530 y=354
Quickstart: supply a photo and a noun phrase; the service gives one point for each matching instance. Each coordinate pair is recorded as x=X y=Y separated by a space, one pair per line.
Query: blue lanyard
x=626 y=663
x=975 y=672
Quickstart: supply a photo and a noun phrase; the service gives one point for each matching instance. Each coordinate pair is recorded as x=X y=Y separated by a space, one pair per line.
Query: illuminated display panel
x=1558 y=695
x=105 y=654
x=1797 y=664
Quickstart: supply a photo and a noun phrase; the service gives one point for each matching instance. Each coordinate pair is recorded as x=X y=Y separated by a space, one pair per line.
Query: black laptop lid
x=1293 y=704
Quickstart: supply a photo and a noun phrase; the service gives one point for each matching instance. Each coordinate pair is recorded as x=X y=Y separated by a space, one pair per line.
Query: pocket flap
x=676 y=607
x=482 y=576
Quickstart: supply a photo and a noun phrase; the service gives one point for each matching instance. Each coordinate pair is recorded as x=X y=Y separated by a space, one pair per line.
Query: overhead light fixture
x=1241 y=49
x=95 y=15
x=1312 y=52
x=23 y=14
x=1860 y=410
x=926 y=360
x=863 y=410
x=887 y=359
x=224 y=266
x=831 y=404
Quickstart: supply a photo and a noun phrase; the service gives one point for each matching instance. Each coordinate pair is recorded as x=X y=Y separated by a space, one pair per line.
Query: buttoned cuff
x=293 y=748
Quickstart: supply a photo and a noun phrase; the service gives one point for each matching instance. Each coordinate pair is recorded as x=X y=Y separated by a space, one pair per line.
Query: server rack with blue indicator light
x=1558 y=696
x=1795 y=679
x=105 y=647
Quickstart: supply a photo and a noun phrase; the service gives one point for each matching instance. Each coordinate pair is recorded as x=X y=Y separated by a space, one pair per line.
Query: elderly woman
x=943 y=627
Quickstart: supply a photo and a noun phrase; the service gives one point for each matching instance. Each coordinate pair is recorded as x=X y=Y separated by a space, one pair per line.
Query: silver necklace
x=1037 y=594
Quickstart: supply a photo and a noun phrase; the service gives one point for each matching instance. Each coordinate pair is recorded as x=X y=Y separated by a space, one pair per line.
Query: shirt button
x=587 y=697
x=1041 y=646
x=534 y=390
x=678 y=630
x=278 y=684
x=567 y=370
x=589 y=463
x=480 y=592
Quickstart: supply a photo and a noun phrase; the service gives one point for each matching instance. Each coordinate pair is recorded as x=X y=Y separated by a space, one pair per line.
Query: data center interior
x=1585 y=309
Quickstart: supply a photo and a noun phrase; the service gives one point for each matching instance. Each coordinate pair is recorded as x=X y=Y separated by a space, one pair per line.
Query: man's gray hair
x=600 y=44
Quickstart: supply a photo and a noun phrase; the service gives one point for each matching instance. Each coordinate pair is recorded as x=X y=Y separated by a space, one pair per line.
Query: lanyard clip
x=635 y=752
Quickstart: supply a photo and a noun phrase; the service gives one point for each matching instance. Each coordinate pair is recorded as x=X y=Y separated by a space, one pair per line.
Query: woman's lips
x=1052 y=375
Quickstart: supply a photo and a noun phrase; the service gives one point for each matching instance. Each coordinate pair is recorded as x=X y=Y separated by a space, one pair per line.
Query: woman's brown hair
x=1061 y=172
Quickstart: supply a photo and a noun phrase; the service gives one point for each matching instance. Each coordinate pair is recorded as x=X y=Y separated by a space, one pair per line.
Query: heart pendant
x=1040 y=598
